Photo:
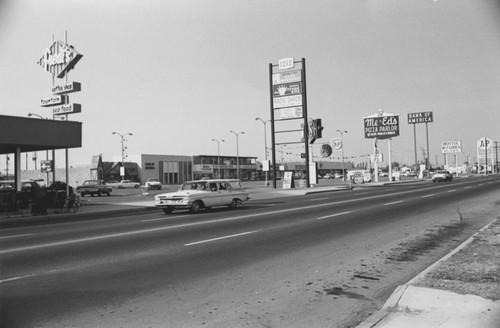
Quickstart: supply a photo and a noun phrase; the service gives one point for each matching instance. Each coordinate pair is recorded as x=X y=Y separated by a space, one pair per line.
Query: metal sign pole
x=273 y=140
x=306 y=123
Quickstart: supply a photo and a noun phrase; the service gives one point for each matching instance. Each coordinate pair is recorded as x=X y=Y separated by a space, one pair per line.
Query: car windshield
x=194 y=186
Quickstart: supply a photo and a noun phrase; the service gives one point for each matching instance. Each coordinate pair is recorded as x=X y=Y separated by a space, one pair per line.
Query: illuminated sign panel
x=382 y=127
x=59 y=59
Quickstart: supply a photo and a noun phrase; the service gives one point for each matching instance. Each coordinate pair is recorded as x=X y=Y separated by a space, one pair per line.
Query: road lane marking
x=333 y=215
x=163 y=218
x=468 y=187
x=429 y=195
x=316 y=199
x=16 y=278
x=452 y=190
x=220 y=238
x=16 y=236
x=392 y=203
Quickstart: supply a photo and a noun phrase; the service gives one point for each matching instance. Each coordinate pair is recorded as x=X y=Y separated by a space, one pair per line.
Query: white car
x=203 y=194
x=127 y=184
x=153 y=184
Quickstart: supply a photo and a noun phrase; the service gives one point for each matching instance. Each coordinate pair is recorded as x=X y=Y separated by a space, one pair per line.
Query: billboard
x=381 y=127
x=423 y=117
x=448 y=147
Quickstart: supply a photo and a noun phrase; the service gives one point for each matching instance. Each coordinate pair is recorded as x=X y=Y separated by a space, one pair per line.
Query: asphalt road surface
x=321 y=260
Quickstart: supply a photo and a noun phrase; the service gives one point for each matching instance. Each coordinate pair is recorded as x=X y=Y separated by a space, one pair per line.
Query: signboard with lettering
x=286 y=63
x=448 y=147
x=287 y=89
x=53 y=101
x=289 y=113
x=377 y=158
x=67 y=109
x=59 y=59
x=67 y=88
x=423 y=117
x=287 y=101
x=382 y=127
x=287 y=77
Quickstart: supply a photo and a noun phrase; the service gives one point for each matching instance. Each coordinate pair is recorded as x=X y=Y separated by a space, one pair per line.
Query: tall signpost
x=416 y=118
x=58 y=60
x=484 y=150
x=381 y=126
x=288 y=99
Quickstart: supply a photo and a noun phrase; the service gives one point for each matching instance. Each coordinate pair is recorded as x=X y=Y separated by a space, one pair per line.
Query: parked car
x=203 y=194
x=153 y=184
x=127 y=184
x=94 y=187
x=329 y=176
x=442 y=175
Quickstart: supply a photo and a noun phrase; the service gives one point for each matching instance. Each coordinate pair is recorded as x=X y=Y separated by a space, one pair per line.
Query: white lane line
x=429 y=195
x=332 y=215
x=16 y=278
x=16 y=236
x=163 y=218
x=392 y=203
x=220 y=238
x=468 y=187
x=316 y=199
x=452 y=190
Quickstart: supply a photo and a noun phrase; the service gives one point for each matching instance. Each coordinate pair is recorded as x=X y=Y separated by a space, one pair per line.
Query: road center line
x=452 y=190
x=468 y=187
x=316 y=199
x=332 y=215
x=220 y=238
x=392 y=203
x=163 y=218
x=429 y=195
x=15 y=278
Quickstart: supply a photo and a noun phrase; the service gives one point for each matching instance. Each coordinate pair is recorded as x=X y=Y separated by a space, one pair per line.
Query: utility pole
x=496 y=157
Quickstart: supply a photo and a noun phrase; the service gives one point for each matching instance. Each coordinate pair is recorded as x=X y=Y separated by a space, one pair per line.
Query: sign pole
x=273 y=139
x=428 y=155
x=415 y=145
x=306 y=123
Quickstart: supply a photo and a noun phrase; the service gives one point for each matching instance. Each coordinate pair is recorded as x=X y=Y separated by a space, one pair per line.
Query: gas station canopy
x=29 y=134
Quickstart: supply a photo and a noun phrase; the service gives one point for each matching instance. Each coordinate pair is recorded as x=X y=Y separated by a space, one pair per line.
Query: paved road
x=319 y=260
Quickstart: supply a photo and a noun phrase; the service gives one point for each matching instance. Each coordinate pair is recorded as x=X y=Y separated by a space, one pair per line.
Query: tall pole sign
x=416 y=118
x=58 y=59
x=381 y=126
x=288 y=99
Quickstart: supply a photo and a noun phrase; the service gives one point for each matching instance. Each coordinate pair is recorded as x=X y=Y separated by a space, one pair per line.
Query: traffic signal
x=315 y=130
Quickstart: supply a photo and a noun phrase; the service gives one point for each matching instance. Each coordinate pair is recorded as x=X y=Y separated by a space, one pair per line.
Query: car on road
x=328 y=176
x=203 y=194
x=94 y=187
x=127 y=184
x=442 y=175
x=153 y=184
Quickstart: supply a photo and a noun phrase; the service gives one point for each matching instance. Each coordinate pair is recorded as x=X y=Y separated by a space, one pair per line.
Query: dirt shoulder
x=474 y=269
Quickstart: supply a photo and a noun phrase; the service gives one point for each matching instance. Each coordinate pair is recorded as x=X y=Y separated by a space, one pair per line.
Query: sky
x=179 y=73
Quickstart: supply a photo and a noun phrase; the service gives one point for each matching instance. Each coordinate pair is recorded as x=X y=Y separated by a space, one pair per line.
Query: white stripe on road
x=333 y=215
x=392 y=203
x=316 y=199
x=468 y=187
x=164 y=218
x=452 y=190
x=430 y=195
x=16 y=278
x=220 y=238
x=16 y=236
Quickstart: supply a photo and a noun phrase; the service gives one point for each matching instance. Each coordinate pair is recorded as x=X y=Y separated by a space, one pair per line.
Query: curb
x=393 y=300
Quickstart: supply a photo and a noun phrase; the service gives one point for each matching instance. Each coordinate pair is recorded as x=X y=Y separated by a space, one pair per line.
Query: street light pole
x=342 y=138
x=265 y=146
x=237 y=153
x=122 y=136
x=218 y=155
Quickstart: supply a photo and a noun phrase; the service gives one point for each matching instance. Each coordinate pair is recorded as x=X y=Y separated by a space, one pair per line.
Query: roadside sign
x=326 y=150
x=286 y=63
x=287 y=101
x=448 y=147
x=289 y=113
x=67 y=88
x=337 y=144
x=53 y=101
x=287 y=77
x=382 y=127
x=67 y=109
x=423 y=117
x=377 y=158
x=287 y=89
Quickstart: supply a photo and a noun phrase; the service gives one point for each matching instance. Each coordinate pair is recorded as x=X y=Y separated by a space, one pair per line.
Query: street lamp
x=122 y=136
x=237 y=153
x=265 y=145
x=218 y=154
x=342 y=138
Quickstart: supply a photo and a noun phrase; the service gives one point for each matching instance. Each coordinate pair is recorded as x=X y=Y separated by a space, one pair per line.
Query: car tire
x=197 y=206
x=136 y=186
x=167 y=210
x=234 y=203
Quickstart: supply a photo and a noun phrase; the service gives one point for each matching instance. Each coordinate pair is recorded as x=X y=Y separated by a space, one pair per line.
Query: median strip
x=220 y=238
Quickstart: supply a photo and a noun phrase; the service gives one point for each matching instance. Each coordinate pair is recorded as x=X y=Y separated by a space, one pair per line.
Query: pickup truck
x=94 y=187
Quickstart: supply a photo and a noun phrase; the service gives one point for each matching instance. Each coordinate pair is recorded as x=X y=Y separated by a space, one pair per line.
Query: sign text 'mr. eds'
x=382 y=127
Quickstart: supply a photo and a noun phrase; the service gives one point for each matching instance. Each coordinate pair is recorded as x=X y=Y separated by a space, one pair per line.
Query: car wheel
x=234 y=203
x=136 y=186
x=197 y=206
x=167 y=210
